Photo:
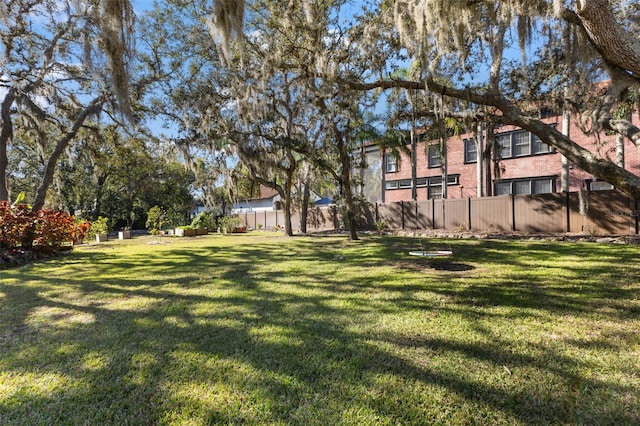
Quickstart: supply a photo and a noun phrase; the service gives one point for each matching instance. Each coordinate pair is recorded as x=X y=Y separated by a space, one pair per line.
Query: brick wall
x=548 y=164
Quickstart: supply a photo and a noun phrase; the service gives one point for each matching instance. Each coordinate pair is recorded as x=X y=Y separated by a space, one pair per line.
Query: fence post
x=568 y=207
x=433 y=213
x=469 y=212
x=635 y=214
x=513 y=212
x=402 y=215
x=444 y=213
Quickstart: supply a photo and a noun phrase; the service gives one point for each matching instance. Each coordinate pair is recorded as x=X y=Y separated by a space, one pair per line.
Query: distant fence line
x=607 y=212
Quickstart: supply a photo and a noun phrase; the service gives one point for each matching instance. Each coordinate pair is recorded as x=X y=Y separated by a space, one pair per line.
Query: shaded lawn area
x=261 y=329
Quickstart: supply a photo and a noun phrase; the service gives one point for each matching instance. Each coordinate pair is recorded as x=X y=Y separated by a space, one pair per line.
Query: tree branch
x=616 y=45
x=92 y=108
x=511 y=114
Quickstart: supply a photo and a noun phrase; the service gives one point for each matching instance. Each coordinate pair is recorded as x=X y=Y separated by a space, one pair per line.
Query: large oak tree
x=63 y=62
x=501 y=62
x=512 y=59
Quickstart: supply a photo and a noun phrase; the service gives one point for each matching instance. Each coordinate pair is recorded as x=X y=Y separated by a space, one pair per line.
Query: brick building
x=520 y=164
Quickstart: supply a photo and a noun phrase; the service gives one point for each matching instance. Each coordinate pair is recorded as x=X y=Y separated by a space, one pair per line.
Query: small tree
x=98 y=226
x=156 y=218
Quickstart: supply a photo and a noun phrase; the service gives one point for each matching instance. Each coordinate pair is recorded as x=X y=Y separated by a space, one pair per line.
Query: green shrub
x=227 y=223
x=204 y=220
x=98 y=226
x=156 y=218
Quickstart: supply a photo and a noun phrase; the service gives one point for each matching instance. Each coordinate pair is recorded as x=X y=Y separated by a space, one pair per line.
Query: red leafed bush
x=53 y=228
x=15 y=221
x=80 y=231
x=45 y=228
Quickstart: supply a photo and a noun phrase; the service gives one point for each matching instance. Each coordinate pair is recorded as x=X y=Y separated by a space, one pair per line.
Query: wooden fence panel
x=270 y=220
x=456 y=214
x=295 y=221
x=322 y=219
x=316 y=219
x=250 y=220
x=438 y=210
x=410 y=212
x=540 y=213
x=391 y=214
x=607 y=212
x=425 y=214
x=369 y=217
x=491 y=214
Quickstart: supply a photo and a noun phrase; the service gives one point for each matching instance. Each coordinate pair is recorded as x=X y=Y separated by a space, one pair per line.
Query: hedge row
x=20 y=226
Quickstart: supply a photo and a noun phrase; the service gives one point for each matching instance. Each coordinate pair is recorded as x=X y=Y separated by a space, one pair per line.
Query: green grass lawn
x=261 y=329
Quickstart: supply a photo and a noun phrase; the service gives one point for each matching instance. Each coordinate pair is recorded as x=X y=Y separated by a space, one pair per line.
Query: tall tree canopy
x=62 y=62
x=500 y=62
x=268 y=99
x=508 y=60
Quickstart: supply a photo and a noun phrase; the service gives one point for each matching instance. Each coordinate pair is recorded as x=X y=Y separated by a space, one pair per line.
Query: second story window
x=470 y=151
x=504 y=145
x=434 y=156
x=520 y=144
x=390 y=162
x=539 y=147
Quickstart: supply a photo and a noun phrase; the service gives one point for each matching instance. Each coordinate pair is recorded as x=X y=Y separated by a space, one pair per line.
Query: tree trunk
x=564 y=176
x=488 y=154
x=620 y=150
x=345 y=176
x=445 y=172
x=288 y=229
x=414 y=160
x=306 y=195
x=479 y=141
x=41 y=193
x=97 y=205
x=6 y=134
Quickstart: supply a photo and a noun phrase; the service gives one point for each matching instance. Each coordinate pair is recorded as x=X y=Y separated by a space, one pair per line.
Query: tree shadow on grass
x=264 y=348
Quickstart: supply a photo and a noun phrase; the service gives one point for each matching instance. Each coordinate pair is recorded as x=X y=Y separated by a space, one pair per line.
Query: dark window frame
x=405 y=184
x=433 y=157
x=470 y=143
x=437 y=189
x=531 y=182
x=598 y=185
x=388 y=156
x=422 y=182
x=535 y=145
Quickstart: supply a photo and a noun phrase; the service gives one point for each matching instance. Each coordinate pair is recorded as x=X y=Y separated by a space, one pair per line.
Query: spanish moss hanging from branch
x=225 y=23
x=116 y=21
